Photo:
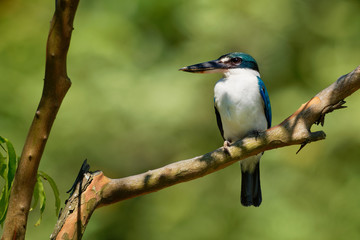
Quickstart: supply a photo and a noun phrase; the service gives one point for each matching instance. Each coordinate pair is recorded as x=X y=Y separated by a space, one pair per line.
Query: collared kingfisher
x=242 y=106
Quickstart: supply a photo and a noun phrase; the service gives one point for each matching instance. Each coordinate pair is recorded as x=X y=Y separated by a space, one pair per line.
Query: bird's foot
x=255 y=133
x=226 y=146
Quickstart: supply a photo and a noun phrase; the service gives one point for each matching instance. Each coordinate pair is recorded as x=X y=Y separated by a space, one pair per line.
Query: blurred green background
x=129 y=110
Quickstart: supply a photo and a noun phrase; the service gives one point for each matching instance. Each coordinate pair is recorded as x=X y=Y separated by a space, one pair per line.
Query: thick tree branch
x=98 y=190
x=56 y=85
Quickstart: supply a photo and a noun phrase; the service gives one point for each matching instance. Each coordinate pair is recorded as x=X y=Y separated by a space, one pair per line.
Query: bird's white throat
x=243 y=72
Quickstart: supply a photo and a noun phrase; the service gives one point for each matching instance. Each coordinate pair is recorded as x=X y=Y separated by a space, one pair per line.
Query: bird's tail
x=250 y=187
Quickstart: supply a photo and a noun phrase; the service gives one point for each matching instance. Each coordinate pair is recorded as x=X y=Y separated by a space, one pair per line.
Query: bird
x=242 y=107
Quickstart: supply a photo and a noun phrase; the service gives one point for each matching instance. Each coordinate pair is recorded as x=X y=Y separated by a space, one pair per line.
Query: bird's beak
x=205 y=67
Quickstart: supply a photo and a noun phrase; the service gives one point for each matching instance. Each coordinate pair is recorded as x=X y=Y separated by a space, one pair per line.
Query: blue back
x=266 y=99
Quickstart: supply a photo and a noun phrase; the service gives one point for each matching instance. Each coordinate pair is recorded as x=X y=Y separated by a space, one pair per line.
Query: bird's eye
x=236 y=60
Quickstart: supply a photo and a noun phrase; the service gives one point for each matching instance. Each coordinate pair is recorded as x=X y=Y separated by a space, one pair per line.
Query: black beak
x=204 y=67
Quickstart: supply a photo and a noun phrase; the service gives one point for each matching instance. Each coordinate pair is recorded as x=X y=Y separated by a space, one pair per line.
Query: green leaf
x=35 y=196
x=4 y=192
x=7 y=171
x=3 y=165
x=42 y=198
x=12 y=162
x=3 y=205
x=55 y=190
x=8 y=167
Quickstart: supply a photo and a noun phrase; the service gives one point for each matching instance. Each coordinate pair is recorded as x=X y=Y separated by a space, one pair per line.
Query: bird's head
x=223 y=64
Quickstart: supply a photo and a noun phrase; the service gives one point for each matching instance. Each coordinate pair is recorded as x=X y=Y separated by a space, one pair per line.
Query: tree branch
x=99 y=190
x=56 y=85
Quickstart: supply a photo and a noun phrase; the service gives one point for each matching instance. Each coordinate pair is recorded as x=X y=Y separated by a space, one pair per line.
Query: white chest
x=240 y=104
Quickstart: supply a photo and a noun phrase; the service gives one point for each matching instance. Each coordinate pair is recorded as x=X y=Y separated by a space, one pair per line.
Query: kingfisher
x=242 y=107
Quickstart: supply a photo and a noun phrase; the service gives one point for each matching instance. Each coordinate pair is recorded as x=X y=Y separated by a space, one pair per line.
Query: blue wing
x=265 y=97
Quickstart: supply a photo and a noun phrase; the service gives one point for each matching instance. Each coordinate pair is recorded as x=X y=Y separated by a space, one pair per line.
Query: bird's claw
x=226 y=147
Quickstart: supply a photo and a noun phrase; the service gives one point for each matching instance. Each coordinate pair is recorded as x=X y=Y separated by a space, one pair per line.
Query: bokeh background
x=129 y=110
